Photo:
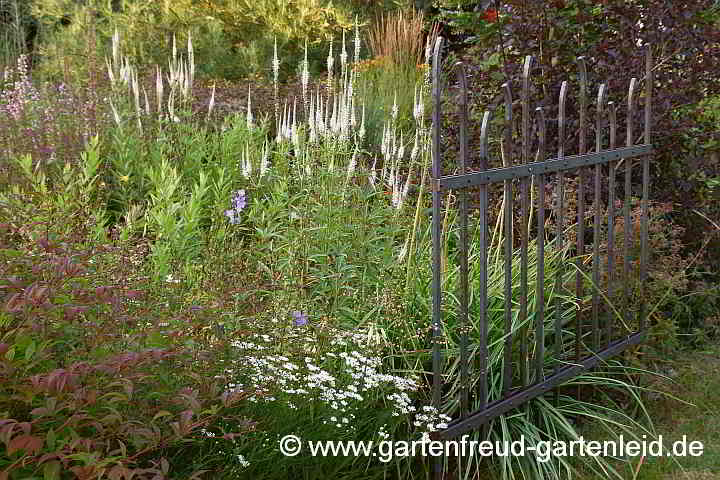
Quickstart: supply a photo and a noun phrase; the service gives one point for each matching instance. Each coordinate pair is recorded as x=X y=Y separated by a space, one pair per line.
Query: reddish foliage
x=90 y=397
x=612 y=36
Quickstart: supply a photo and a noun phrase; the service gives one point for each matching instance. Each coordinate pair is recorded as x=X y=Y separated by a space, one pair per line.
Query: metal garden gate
x=594 y=337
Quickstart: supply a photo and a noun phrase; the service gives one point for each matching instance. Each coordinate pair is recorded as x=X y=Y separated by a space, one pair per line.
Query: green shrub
x=236 y=38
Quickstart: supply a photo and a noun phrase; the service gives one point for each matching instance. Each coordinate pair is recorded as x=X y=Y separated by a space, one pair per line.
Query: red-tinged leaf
x=72 y=311
x=29 y=443
x=119 y=472
x=196 y=475
x=5 y=474
x=37 y=382
x=44 y=244
x=48 y=456
x=7 y=421
x=159 y=354
x=15 y=303
x=37 y=293
x=6 y=431
x=39 y=412
x=26 y=427
x=61 y=382
x=83 y=473
x=50 y=380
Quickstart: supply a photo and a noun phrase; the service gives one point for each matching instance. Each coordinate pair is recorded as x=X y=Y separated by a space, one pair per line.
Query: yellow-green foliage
x=235 y=36
x=146 y=27
x=246 y=20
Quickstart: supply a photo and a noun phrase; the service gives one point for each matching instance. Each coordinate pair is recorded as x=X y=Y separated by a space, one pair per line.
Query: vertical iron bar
x=524 y=208
x=484 y=357
x=611 y=221
x=483 y=264
x=540 y=243
x=596 y=227
x=646 y=185
x=507 y=218
x=560 y=228
x=437 y=244
x=580 y=240
x=462 y=162
x=627 y=227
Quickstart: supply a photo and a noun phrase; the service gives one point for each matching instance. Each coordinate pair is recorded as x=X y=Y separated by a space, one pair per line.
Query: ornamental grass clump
x=541 y=418
x=398 y=36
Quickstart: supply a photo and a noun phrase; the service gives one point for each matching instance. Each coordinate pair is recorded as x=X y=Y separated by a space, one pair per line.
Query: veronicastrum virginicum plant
x=329 y=136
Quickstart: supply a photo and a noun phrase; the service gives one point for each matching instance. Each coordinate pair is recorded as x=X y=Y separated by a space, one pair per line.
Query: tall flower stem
x=416 y=222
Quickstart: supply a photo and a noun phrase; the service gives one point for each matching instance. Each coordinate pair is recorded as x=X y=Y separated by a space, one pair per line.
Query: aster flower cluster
x=238 y=202
x=431 y=420
x=341 y=379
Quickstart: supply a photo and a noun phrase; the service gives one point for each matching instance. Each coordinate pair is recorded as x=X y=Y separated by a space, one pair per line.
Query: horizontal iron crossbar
x=499 y=407
x=455 y=182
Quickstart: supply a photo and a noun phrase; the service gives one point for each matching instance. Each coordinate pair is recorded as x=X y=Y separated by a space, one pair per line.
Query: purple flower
x=237 y=202
x=300 y=318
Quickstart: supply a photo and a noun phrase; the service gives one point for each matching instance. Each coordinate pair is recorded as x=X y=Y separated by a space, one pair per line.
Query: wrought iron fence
x=561 y=349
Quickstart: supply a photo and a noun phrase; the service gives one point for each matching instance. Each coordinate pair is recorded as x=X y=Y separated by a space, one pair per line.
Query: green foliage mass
x=236 y=37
